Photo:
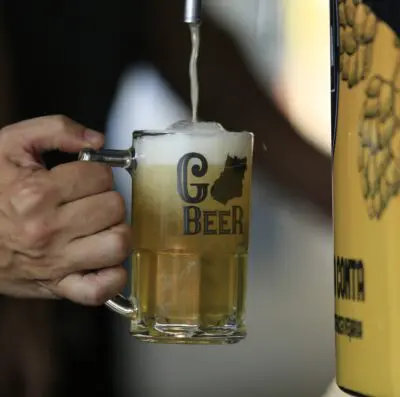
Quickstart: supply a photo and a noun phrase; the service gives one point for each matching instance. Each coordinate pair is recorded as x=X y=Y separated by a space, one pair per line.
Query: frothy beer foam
x=207 y=138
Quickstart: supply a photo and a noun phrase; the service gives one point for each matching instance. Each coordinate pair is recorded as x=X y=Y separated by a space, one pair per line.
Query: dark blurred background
x=123 y=65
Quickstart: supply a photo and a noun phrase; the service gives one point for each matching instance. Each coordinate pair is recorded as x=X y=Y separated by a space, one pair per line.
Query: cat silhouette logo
x=229 y=184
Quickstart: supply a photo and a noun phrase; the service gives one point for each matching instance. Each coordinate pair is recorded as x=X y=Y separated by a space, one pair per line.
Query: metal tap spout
x=192 y=11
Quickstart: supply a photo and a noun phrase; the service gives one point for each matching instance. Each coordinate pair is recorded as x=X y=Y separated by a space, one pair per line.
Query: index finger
x=28 y=137
x=78 y=180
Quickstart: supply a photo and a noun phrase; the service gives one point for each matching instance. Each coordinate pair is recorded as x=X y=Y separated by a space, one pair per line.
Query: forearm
x=230 y=94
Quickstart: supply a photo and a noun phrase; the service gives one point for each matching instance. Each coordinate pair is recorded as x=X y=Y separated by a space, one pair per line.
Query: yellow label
x=366 y=169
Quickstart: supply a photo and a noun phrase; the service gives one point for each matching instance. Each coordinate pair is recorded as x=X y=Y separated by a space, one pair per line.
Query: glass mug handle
x=120 y=159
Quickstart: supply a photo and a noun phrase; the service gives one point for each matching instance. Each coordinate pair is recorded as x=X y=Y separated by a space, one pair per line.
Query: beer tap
x=193 y=11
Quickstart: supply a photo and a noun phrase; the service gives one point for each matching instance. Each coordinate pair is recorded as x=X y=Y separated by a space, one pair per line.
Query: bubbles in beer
x=207 y=138
x=191 y=213
x=192 y=126
x=358 y=26
x=379 y=153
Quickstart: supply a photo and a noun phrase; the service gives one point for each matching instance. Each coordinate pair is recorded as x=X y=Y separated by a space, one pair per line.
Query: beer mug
x=190 y=217
x=366 y=183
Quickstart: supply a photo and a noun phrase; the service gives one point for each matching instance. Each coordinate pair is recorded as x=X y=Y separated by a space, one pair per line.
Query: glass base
x=194 y=340
x=190 y=335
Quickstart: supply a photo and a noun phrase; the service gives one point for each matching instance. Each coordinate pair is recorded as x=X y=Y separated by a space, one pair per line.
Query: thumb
x=25 y=140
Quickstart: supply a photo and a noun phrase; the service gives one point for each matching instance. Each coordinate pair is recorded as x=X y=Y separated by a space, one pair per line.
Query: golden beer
x=190 y=219
x=366 y=170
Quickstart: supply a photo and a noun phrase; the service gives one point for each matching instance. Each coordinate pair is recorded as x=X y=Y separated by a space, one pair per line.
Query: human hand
x=62 y=231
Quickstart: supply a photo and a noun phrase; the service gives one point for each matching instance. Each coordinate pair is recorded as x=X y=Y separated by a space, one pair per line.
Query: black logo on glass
x=229 y=185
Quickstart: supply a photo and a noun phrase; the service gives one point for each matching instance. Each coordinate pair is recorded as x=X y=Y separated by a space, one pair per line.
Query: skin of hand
x=62 y=231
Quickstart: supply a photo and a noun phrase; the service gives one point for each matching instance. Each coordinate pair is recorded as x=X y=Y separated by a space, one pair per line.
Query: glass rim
x=155 y=133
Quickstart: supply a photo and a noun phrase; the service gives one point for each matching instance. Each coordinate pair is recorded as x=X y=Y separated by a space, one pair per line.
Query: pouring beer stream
x=193 y=18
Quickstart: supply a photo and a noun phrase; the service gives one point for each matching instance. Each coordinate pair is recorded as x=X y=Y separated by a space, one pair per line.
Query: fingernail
x=93 y=137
